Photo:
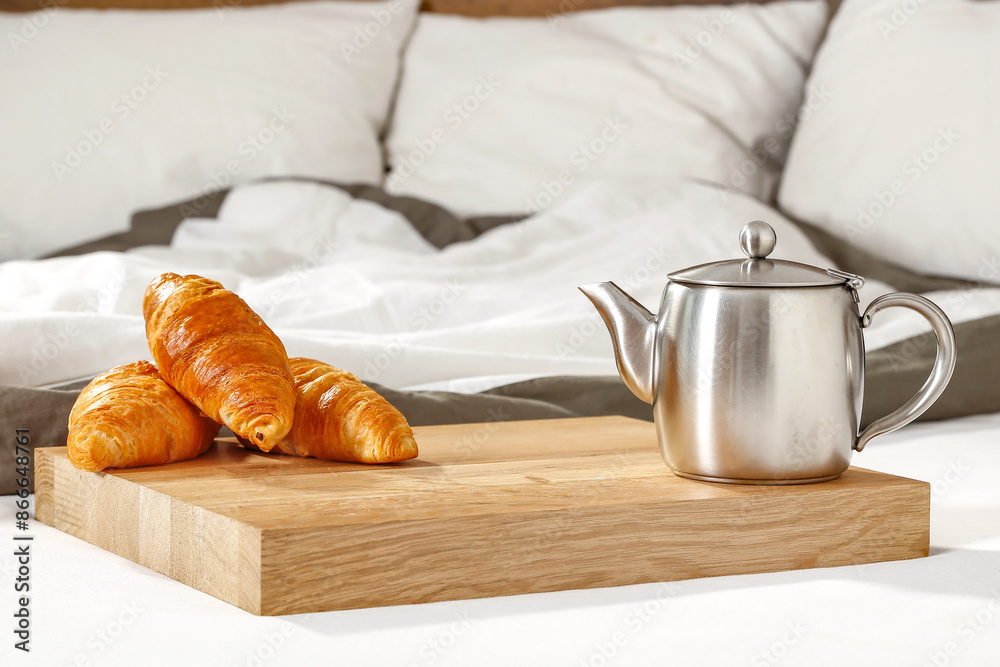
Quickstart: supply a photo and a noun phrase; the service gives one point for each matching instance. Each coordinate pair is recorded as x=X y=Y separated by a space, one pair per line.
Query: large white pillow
x=105 y=112
x=506 y=115
x=902 y=158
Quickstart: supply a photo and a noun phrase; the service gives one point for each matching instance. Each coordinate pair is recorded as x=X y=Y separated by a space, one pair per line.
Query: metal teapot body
x=755 y=368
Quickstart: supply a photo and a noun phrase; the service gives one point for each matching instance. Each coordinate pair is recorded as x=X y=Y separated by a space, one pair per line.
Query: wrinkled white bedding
x=353 y=284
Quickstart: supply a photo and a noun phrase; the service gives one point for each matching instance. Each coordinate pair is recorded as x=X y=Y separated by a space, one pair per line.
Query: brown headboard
x=464 y=7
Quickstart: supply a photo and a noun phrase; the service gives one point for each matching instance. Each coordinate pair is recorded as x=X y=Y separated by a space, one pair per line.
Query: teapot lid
x=757 y=239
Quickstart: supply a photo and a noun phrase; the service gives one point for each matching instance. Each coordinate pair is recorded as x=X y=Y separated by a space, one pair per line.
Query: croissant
x=130 y=417
x=339 y=418
x=218 y=353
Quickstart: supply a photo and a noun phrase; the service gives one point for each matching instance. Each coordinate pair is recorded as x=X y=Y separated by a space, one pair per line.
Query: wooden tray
x=487 y=509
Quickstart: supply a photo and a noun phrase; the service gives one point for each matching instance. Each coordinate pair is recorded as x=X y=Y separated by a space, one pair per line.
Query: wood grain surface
x=486 y=510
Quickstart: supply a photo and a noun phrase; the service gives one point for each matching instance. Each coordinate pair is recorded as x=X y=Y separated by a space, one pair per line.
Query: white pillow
x=506 y=115
x=106 y=112
x=902 y=159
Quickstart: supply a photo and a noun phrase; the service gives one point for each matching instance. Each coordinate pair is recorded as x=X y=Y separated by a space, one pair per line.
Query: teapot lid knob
x=757 y=239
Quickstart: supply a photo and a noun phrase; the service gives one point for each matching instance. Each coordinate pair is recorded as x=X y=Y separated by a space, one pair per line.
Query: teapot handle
x=944 y=363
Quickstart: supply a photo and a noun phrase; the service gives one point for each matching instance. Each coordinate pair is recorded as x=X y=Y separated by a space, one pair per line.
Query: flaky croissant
x=130 y=417
x=217 y=353
x=339 y=418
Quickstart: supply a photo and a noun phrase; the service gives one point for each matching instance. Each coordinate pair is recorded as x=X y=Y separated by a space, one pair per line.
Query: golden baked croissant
x=130 y=417
x=339 y=418
x=217 y=353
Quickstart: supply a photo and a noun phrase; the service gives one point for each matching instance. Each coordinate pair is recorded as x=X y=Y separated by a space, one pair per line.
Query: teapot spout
x=633 y=332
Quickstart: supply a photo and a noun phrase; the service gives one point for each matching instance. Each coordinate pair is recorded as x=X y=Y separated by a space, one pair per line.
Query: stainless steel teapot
x=755 y=367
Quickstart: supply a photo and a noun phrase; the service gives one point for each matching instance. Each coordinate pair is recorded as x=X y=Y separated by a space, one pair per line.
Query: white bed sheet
x=353 y=284
x=900 y=613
